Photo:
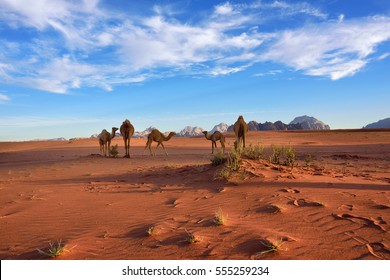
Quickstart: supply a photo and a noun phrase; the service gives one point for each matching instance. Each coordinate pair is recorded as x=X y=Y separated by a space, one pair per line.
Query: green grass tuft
x=54 y=250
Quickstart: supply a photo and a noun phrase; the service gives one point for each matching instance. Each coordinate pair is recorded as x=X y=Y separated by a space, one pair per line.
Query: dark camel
x=240 y=130
x=127 y=130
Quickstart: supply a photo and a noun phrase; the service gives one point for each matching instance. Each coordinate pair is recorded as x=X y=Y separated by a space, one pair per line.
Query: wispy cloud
x=31 y=121
x=75 y=44
x=4 y=98
x=332 y=49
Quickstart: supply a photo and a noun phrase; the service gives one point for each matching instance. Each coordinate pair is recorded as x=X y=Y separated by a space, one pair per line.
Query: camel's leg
x=124 y=141
x=162 y=145
x=222 y=145
x=128 y=147
x=243 y=140
x=146 y=146
x=212 y=147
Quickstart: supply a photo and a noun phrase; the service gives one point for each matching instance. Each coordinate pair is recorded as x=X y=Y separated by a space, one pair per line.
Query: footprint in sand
x=269 y=209
x=379 y=250
x=303 y=203
x=380 y=207
x=348 y=194
x=290 y=190
x=346 y=207
x=368 y=222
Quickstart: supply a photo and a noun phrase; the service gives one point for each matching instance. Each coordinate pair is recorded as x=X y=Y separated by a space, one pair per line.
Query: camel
x=105 y=140
x=158 y=137
x=216 y=136
x=240 y=130
x=127 y=130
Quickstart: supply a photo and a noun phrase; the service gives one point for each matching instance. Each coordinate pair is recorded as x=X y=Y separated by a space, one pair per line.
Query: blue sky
x=71 y=68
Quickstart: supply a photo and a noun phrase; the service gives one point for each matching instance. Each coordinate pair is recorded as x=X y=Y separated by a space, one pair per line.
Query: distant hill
x=310 y=123
x=385 y=123
x=222 y=127
x=190 y=131
x=299 y=123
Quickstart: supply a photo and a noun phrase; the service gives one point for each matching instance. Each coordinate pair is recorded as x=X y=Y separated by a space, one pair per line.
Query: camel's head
x=204 y=132
x=114 y=129
x=172 y=134
x=240 y=117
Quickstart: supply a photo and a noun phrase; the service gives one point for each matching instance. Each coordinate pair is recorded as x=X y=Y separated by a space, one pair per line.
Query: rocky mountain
x=222 y=127
x=385 y=123
x=253 y=125
x=299 y=123
x=190 y=131
x=144 y=133
x=310 y=123
x=278 y=125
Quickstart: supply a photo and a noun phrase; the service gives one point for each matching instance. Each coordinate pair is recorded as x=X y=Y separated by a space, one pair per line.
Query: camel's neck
x=112 y=134
x=168 y=137
x=208 y=136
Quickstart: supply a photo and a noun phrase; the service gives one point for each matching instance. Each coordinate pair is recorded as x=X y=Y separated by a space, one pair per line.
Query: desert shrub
x=277 y=153
x=254 y=152
x=290 y=155
x=223 y=173
x=152 y=231
x=271 y=246
x=232 y=164
x=54 y=250
x=220 y=218
x=234 y=161
x=308 y=160
x=114 y=150
x=218 y=159
x=192 y=238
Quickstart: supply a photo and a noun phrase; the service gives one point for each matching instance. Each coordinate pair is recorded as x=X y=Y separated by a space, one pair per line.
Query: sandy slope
x=101 y=208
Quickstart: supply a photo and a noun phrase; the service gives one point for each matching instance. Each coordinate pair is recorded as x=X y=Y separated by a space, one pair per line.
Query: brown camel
x=105 y=140
x=216 y=136
x=158 y=137
x=240 y=130
x=127 y=130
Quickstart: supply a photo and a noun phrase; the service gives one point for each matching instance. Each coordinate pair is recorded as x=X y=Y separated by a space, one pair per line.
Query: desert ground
x=333 y=206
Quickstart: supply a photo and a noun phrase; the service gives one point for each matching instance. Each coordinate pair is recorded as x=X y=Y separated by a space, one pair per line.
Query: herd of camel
x=127 y=130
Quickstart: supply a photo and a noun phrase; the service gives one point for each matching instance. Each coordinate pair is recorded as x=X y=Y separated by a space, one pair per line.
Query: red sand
x=101 y=208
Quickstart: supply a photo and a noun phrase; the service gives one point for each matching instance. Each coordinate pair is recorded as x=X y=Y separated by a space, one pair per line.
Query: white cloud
x=32 y=121
x=333 y=49
x=224 y=9
x=269 y=73
x=81 y=44
x=384 y=56
x=4 y=98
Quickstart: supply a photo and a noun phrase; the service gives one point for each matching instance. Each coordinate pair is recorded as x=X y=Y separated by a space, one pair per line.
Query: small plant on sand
x=234 y=161
x=218 y=159
x=192 y=238
x=290 y=154
x=277 y=153
x=152 y=231
x=271 y=247
x=220 y=218
x=308 y=160
x=231 y=166
x=223 y=173
x=114 y=150
x=54 y=250
x=254 y=152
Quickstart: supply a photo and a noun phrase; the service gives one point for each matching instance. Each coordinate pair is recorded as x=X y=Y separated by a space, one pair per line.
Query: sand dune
x=335 y=207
